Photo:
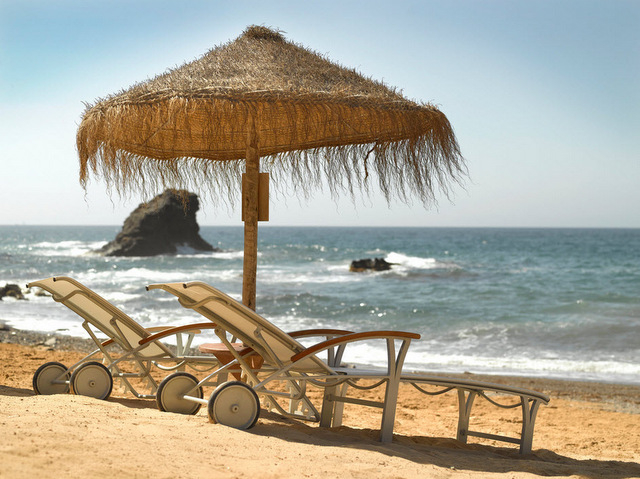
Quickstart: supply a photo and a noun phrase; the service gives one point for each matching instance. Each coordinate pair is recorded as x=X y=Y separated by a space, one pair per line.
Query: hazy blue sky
x=544 y=97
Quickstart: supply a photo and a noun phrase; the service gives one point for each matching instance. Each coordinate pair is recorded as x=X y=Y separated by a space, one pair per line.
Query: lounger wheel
x=234 y=404
x=51 y=378
x=171 y=392
x=92 y=379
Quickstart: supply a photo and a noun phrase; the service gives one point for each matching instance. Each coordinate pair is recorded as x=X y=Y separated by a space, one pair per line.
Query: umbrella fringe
x=200 y=143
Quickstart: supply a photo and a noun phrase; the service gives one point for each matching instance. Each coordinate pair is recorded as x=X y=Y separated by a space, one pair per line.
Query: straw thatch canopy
x=189 y=127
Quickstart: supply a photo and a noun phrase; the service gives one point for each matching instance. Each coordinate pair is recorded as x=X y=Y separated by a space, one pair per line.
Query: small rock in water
x=376 y=264
x=11 y=291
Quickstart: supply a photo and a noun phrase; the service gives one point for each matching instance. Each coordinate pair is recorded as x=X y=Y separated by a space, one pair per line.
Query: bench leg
x=328 y=407
x=529 y=412
x=465 y=403
x=338 y=406
x=389 y=411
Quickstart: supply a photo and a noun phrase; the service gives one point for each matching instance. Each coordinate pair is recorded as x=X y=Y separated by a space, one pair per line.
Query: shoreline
x=619 y=397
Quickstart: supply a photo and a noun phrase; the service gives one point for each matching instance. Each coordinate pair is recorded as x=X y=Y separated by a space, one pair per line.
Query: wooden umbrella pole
x=250 y=207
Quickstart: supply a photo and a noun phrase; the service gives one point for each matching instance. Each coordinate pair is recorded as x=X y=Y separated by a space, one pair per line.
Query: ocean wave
x=314 y=275
x=416 y=267
x=64 y=248
x=138 y=275
x=188 y=252
x=412 y=262
x=230 y=255
x=607 y=370
x=374 y=354
x=120 y=296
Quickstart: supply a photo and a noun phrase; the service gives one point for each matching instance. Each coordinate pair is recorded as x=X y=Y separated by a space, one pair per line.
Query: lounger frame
x=287 y=361
x=141 y=347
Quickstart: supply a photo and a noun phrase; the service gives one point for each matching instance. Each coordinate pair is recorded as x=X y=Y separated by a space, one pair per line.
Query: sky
x=544 y=98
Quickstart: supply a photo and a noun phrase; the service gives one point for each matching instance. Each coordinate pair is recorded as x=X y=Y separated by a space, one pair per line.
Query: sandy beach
x=588 y=430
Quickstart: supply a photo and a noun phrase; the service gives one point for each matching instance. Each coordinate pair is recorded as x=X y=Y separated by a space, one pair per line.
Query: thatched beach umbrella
x=261 y=101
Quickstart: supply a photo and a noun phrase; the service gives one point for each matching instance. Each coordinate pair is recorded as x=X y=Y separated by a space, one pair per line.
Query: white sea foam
x=50 y=324
x=229 y=255
x=133 y=280
x=415 y=262
x=530 y=366
x=275 y=276
x=151 y=275
x=63 y=248
x=119 y=296
x=40 y=313
x=374 y=354
x=184 y=251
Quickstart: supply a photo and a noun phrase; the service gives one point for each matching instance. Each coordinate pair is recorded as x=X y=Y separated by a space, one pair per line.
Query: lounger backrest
x=264 y=337
x=99 y=312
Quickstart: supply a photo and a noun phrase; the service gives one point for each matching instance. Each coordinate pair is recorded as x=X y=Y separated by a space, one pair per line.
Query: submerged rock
x=160 y=226
x=376 y=264
x=11 y=291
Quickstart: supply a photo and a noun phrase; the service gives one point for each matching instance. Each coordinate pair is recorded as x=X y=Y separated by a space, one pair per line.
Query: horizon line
x=266 y=225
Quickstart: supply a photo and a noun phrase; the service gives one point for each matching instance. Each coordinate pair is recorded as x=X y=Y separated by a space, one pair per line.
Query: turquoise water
x=541 y=302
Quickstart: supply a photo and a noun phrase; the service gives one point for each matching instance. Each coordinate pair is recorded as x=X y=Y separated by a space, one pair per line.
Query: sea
x=555 y=303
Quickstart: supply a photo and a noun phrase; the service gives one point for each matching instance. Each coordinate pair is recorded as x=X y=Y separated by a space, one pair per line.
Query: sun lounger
x=140 y=349
x=289 y=361
x=286 y=363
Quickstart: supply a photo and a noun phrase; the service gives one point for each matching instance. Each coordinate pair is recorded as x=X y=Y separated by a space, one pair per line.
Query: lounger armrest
x=309 y=333
x=348 y=338
x=176 y=330
x=157 y=329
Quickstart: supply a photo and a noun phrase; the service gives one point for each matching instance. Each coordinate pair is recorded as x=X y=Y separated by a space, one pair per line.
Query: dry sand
x=588 y=430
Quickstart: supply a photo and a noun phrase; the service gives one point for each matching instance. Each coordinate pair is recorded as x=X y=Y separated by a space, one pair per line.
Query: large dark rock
x=160 y=227
x=368 y=264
